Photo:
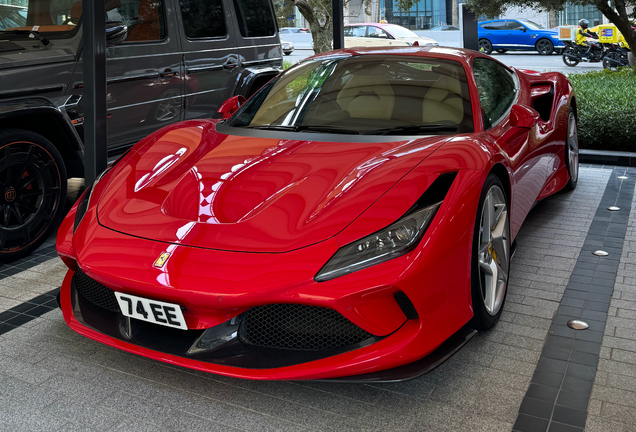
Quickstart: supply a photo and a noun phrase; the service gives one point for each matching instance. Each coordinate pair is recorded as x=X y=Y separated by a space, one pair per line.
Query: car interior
x=369 y=94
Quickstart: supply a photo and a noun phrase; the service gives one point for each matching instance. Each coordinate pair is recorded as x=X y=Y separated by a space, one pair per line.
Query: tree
x=614 y=10
x=318 y=14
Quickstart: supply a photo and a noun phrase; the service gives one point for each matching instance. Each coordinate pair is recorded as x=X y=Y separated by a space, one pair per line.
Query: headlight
x=82 y=207
x=388 y=243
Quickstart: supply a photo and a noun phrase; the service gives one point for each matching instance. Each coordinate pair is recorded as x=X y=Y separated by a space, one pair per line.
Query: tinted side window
x=348 y=31
x=498 y=25
x=203 y=18
x=514 y=25
x=496 y=89
x=144 y=18
x=255 y=18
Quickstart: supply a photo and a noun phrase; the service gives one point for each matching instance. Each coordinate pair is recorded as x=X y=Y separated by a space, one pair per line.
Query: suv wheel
x=544 y=47
x=485 y=46
x=32 y=192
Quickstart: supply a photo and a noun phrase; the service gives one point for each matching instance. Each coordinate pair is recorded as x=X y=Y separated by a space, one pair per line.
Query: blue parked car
x=519 y=35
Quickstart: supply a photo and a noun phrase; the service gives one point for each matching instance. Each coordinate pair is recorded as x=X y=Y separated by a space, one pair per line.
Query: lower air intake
x=299 y=327
x=95 y=292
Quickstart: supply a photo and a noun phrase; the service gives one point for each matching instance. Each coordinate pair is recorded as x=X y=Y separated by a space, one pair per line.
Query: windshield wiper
x=298 y=128
x=275 y=127
x=413 y=128
x=327 y=129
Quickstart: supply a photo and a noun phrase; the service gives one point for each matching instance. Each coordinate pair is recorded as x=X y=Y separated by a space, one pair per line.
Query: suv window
x=496 y=89
x=11 y=16
x=255 y=18
x=144 y=19
x=497 y=25
x=514 y=25
x=203 y=18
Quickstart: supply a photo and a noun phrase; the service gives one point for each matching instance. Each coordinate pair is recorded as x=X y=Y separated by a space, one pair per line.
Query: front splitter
x=418 y=368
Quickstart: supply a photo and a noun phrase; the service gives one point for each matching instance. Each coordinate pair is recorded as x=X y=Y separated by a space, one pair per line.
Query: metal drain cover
x=613 y=208
x=578 y=324
x=600 y=253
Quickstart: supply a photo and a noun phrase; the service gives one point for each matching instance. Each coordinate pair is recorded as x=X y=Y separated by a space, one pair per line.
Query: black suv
x=168 y=60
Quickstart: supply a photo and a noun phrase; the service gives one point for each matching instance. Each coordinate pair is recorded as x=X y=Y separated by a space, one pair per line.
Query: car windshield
x=399 y=32
x=364 y=95
x=49 y=16
x=532 y=25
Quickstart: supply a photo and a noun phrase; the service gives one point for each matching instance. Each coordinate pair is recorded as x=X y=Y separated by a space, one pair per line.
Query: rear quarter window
x=255 y=18
x=203 y=18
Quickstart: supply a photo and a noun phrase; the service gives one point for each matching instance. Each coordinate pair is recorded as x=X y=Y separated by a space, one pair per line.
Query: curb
x=603 y=157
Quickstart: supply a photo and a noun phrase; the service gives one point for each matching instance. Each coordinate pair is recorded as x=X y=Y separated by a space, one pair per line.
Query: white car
x=376 y=34
x=288 y=47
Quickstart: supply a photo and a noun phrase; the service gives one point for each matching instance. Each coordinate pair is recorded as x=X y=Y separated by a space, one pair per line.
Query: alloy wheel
x=545 y=47
x=485 y=46
x=494 y=250
x=573 y=148
x=29 y=194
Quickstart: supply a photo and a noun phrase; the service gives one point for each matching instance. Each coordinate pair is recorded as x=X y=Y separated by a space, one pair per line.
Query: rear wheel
x=544 y=47
x=613 y=61
x=569 y=61
x=485 y=46
x=572 y=151
x=32 y=192
x=491 y=255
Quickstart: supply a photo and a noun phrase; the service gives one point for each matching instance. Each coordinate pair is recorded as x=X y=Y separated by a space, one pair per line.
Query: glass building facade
x=571 y=15
x=425 y=14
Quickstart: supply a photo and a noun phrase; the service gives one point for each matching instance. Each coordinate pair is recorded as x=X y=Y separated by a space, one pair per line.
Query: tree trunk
x=621 y=23
x=318 y=16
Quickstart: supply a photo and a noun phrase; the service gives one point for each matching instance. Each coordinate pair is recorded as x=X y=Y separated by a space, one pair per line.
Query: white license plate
x=157 y=312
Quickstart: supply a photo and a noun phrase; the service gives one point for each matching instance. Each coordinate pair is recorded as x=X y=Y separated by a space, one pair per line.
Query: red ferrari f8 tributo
x=353 y=220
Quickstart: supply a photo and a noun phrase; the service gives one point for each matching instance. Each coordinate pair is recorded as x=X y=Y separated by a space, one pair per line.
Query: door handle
x=168 y=73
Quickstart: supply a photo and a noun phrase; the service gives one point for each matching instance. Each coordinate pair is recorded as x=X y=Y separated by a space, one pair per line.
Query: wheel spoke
x=490 y=290
x=30 y=208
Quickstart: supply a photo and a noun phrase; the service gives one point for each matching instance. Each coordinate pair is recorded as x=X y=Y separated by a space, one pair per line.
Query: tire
x=491 y=255
x=288 y=52
x=544 y=47
x=572 y=152
x=567 y=60
x=32 y=192
x=502 y=51
x=611 y=65
x=485 y=46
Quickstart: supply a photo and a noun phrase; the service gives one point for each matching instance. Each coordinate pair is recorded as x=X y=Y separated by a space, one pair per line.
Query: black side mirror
x=116 y=32
x=523 y=29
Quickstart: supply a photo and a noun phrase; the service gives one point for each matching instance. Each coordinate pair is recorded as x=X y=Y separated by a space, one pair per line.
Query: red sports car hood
x=191 y=185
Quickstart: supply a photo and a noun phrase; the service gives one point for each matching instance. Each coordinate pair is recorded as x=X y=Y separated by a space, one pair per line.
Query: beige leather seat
x=367 y=96
x=444 y=101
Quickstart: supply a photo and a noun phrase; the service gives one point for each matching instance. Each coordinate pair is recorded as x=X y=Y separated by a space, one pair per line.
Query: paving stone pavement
x=53 y=379
x=613 y=400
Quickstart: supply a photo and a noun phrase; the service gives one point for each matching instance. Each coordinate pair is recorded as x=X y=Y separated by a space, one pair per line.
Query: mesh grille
x=299 y=327
x=95 y=292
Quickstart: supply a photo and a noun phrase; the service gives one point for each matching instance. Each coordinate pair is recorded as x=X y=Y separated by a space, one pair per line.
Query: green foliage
x=606 y=104
x=287 y=64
